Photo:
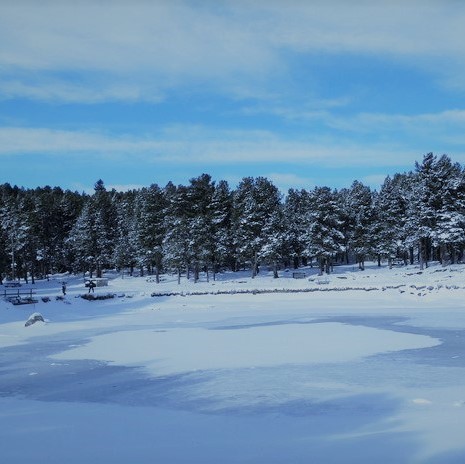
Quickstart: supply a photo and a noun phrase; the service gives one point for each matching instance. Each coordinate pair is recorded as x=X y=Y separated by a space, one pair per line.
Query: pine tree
x=81 y=242
x=200 y=219
x=221 y=244
x=296 y=217
x=126 y=246
x=176 y=249
x=436 y=207
x=390 y=230
x=325 y=238
x=255 y=207
x=150 y=219
x=359 y=207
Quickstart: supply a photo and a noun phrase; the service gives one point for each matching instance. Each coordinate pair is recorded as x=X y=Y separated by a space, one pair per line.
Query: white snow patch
x=184 y=350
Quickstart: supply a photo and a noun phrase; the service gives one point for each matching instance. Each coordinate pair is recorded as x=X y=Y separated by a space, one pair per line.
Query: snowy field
x=366 y=367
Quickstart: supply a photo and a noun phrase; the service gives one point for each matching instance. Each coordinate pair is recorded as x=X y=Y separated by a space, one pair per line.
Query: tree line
x=206 y=226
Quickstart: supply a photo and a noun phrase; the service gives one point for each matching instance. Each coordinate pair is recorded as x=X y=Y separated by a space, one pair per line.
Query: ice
x=185 y=350
x=334 y=376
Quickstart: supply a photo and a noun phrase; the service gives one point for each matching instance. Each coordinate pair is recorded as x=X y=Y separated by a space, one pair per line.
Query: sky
x=305 y=93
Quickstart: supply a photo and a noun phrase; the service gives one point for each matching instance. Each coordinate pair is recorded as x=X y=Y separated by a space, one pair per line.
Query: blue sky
x=303 y=92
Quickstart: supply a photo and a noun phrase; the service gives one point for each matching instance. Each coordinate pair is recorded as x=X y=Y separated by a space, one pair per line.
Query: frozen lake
x=283 y=378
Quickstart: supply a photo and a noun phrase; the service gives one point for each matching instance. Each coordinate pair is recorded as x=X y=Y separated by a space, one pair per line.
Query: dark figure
x=63 y=288
x=91 y=286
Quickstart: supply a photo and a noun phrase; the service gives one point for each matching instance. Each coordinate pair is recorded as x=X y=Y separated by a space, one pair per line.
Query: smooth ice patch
x=186 y=350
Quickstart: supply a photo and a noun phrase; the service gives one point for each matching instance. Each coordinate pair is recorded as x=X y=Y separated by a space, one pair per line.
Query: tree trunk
x=296 y=262
x=196 y=272
x=327 y=266
x=321 y=263
x=275 y=270
x=442 y=255
x=420 y=254
x=157 y=274
x=179 y=276
x=254 y=265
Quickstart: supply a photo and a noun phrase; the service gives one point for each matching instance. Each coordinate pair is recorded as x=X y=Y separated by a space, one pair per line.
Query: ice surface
x=330 y=376
x=175 y=351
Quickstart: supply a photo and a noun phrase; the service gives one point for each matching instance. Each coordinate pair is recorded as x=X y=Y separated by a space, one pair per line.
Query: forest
x=207 y=227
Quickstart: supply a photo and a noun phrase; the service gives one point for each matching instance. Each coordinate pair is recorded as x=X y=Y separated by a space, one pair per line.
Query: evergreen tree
x=126 y=247
x=200 y=219
x=221 y=250
x=151 y=230
x=176 y=249
x=296 y=217
x=436 y=207
x=359 y=207
x=390 y=230
x=325 y=238
x=255 y=204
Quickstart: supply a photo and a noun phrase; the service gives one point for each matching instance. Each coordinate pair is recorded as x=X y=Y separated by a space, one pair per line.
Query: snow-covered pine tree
x=176 y=247
x=92 y=238
x=81 y=241
x=390 y=232
x=255 y=205
x=436 y=207
x=200 y=194
x=360 y=212
x=221 y=245
x=448 y=236
x=150 y=218
x=15 y=229
x=70 y=207
x=296 y=216
x=126 y=244
x=325 y=238
x=274 y=247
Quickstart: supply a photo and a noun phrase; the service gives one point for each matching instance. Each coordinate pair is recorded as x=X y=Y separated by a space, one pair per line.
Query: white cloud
x=151 y=47
x=432 y=130
x=199 y=145
x=54 y=90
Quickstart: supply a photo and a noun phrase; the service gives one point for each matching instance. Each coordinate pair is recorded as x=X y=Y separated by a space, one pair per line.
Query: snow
x=164 y=352
x=372 y=374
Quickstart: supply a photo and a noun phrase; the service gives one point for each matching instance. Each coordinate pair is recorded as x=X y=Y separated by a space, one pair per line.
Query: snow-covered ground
x=368 y=367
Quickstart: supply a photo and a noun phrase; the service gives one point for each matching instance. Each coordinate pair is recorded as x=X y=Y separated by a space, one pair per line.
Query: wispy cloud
x=200 y=145
x=152 y=47
x=434 y=131
x=54 y=90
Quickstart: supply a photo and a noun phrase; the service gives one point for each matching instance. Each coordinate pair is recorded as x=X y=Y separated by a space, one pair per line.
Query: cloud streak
x=198 y=145
x=151 y=48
